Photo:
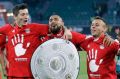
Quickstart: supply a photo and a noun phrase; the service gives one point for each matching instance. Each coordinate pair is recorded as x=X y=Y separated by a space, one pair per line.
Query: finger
x=92 y=53
x=18 y=38
x=7 y=63
x=100 y=61
x=64 y=37
x=28 y=44
x=67 y=35
x=89 y=54
x=110 y=41
x=22 y=37
x=88 y=57
x=13 y=42
x=107 y=41
x=96 y=54
x=15 y=39
x=104 y=40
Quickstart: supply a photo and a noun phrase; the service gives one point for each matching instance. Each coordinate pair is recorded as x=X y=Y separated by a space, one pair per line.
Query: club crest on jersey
x=102 y=46
x=27 y=30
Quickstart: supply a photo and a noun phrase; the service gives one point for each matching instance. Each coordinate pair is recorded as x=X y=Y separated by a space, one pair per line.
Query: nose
x=53 y=21
x=26 y=16
x=92 y=26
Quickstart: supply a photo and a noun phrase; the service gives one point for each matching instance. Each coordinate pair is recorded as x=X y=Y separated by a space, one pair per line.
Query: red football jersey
x=100 y=58
x=2 y=40
x=21 y=44
x=77 y=38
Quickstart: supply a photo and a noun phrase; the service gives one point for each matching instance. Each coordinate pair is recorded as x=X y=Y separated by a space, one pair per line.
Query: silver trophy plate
x=55 y=59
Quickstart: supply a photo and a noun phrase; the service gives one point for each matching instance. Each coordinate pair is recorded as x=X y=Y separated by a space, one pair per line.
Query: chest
x=98 y=50
x=16 y=32
x=21 y=35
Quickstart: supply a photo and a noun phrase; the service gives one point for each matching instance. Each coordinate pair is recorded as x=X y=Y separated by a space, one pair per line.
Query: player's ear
x=15 y=17
x=105 y=28
x=62 y=22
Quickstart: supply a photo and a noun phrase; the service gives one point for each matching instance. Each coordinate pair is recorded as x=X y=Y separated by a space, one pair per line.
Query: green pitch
x=83 y=67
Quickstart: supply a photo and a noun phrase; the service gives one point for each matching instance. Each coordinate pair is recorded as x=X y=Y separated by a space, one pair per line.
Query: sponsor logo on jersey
x=102 y=46
x=27 y=30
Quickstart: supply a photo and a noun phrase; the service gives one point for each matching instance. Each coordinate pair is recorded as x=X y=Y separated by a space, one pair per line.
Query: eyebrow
x=55 y=18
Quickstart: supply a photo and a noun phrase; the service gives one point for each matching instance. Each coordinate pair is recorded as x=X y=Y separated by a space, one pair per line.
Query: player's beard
x=55 y=29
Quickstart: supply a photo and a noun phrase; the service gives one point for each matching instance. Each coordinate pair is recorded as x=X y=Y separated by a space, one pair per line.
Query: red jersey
x=2 y=40
x=77 y=38
x=22 y=42
x=100 y=58
x=75 y=41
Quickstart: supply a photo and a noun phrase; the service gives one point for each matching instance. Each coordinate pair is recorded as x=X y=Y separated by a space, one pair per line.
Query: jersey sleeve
x=41 y=29
x=4 y=29
x=115 y=47
x=2 y=40
x=77 y=38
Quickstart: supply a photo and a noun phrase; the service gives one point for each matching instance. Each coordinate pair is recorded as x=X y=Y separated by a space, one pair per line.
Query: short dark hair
x=19 y=7
x=100 y=18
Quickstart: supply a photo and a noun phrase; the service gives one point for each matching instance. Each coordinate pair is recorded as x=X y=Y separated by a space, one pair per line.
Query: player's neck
x=98 y=36
x=19 y=24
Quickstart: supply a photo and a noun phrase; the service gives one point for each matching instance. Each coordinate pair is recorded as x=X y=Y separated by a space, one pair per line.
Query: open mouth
x=25 y=20
x=54 y=25
x=93 y=30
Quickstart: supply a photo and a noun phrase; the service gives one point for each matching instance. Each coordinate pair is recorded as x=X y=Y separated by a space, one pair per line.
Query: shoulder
x=6 y=26
x=78 y=35
x=89 y=37
x=116 y=42
x=41 y=28
x=37 y=24
x=114 y=45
